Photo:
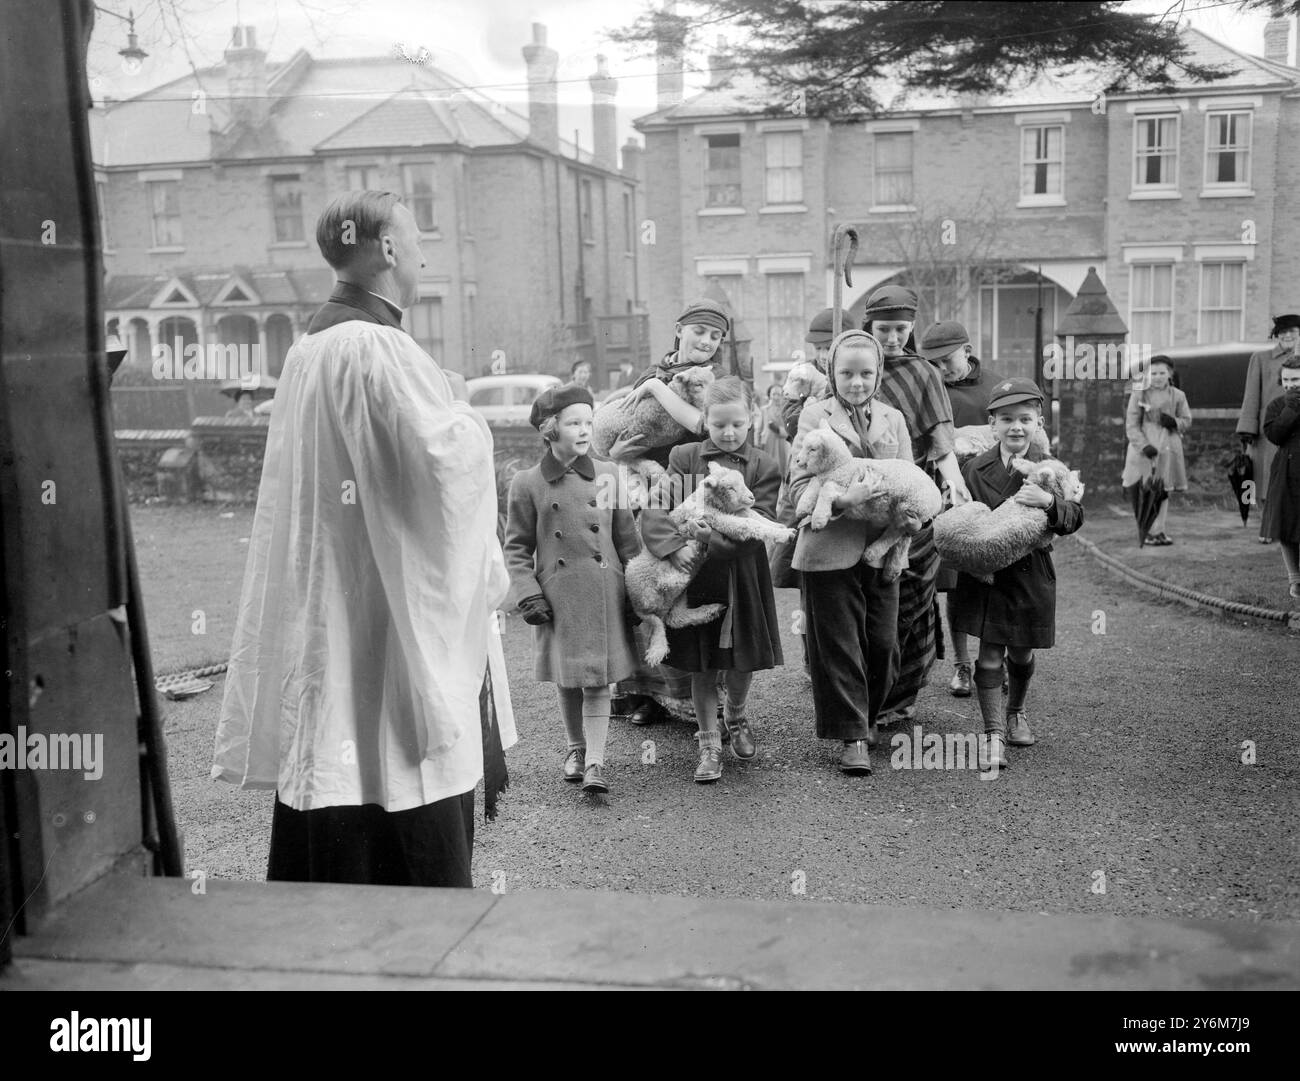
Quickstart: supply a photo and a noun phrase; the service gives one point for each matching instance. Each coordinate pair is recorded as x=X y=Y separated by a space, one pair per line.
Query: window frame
x=176 y=243
x=1049 y=198
x=795 y=320
x=1240 y=308
x=409 y=199
x=1242 y=184
x=278 y=216
x=710 y=203
x=876 y=203
x=1165 y=187
x=1134 y=311
x=436 y=300
x=785 y=170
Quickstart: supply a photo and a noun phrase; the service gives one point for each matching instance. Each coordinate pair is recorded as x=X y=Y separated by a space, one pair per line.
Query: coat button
x=558 y=534
x=559 y=562
x=591 y=503
x=601 y=561
x=595 y=529
x=555 y=506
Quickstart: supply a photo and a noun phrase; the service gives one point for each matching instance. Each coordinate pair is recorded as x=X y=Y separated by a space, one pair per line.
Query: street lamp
x=132 y=50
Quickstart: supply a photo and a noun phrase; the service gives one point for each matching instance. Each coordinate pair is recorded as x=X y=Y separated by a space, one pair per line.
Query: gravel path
x=1136 y=785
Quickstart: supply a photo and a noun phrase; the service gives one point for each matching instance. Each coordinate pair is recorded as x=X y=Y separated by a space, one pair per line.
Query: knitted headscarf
x=849 y=339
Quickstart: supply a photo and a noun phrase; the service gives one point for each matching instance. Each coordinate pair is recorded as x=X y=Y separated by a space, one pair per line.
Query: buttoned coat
x=1019 y=608
x=1263 y=385
x=1282 y=428
x=844 y=540
x=568 y=540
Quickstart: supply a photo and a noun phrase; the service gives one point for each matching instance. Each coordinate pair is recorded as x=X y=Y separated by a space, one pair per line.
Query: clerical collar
x=552 y=470
x=395 y=309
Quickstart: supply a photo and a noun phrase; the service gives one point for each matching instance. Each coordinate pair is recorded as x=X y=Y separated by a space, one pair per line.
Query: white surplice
x=373 y=572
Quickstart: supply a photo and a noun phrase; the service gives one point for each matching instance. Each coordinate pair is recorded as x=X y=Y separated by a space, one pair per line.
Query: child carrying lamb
x=747 y=637
x=1016 y=613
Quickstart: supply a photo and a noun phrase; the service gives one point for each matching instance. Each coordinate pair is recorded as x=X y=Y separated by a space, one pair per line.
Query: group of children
x=566 y=549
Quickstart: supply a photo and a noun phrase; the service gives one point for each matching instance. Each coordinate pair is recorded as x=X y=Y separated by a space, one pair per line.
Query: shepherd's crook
x=841 y=231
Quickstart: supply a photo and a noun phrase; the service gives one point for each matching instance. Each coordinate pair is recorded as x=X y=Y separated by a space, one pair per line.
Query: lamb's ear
x=715 y=470
x=1022 y=466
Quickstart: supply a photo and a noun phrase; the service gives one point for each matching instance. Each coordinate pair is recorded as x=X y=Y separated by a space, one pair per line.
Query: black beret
x=555 y=400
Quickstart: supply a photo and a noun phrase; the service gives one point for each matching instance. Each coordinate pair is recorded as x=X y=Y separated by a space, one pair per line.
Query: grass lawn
x=1212 y=552
x=191 y=561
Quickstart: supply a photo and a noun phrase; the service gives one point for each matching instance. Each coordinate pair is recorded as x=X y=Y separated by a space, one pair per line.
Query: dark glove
x=535 y=610
x=629 y=613
x=1150 y=451
x=1247 y=441
x=1167 y=421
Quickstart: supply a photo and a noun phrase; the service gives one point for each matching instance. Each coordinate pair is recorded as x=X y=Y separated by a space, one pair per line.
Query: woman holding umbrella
x=1155 y=420
x=1262 y=386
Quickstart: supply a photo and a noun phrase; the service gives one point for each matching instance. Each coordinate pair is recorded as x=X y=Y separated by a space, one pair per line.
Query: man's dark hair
x=573 y=368
x=351 y=221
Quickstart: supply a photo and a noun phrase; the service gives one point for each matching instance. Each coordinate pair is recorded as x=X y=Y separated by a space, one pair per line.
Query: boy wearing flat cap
x=565 y=549
x=1016 y=613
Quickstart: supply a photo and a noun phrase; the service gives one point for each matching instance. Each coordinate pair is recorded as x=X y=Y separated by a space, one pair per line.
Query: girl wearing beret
x=565 y=548
x=702 y=327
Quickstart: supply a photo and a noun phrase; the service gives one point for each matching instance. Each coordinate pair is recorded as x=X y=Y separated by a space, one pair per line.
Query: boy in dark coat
x=1016 y=614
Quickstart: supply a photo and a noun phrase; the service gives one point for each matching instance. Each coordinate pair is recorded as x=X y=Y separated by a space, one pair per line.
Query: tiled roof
x=744 y=94
x=316 y=105
x=274 y=286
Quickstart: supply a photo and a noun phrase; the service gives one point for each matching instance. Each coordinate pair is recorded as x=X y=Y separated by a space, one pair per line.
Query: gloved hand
x=1166 y=421
x=535 y=610
x=1150 y=451
x=1247 y=441
x=629 y=613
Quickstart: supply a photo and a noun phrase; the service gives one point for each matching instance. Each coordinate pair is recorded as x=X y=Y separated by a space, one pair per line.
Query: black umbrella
x=1241 y=471
x=1147 y=495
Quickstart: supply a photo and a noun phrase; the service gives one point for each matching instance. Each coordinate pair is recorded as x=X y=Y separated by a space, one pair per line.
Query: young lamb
x=906 y=497
x=980 y=541
x=648 y=419
x=804 y=379
x=657 y=589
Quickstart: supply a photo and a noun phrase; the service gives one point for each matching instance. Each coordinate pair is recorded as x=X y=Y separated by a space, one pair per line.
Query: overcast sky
x=477 y=41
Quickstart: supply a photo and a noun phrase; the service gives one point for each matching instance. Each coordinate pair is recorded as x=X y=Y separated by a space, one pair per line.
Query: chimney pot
x=543 y=111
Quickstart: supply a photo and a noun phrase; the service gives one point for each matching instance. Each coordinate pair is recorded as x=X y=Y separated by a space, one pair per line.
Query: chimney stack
x=1277 y=40
x=632 y=159
x=604 y=121
x=543 y=111
x=246 y=78
x=670 y=54
x=720 y=62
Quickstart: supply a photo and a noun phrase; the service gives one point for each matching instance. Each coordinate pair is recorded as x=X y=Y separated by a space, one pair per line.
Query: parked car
x=1213 y=376
x=507 y=399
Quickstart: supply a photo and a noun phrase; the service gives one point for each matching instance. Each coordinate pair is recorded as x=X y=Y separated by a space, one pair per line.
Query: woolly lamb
x=804 y=379
x=906 y=497
x=648 y=419
x=657 y=589
x=980 y=541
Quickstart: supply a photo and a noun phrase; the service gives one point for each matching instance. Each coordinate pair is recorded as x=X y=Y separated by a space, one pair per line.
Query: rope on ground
x=166 y=680
x=1290 y=620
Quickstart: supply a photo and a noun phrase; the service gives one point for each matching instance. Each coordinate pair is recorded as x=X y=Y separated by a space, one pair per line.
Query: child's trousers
x=851 y=631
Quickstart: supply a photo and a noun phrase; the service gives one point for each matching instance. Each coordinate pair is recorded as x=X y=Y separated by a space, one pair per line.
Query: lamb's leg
x=750 y=526
x=679 y=615
x=825 y=505
x=896 y=560
x=808 y=500
x=657 y=650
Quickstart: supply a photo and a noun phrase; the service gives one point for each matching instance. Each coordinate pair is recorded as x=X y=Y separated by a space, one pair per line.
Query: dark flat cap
x=940 y=339
x=1013 y=391
x=820 y=330
x=891 y=302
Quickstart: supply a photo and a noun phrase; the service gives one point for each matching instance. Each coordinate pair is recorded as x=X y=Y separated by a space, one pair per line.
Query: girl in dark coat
x=1282 y=510
x=1016 y=614
x=747 y=638
x=654 y=693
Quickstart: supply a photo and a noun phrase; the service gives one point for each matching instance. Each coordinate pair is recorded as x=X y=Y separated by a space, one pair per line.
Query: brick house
x=1185 y=203
x=210 y=186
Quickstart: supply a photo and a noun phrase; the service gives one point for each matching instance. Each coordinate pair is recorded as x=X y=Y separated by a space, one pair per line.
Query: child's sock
x=595 y=722
x=988 y=686
x=710 y=739
x=571 y=711
x=1018 y=677
x=1291 y=557
x=733 y=706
